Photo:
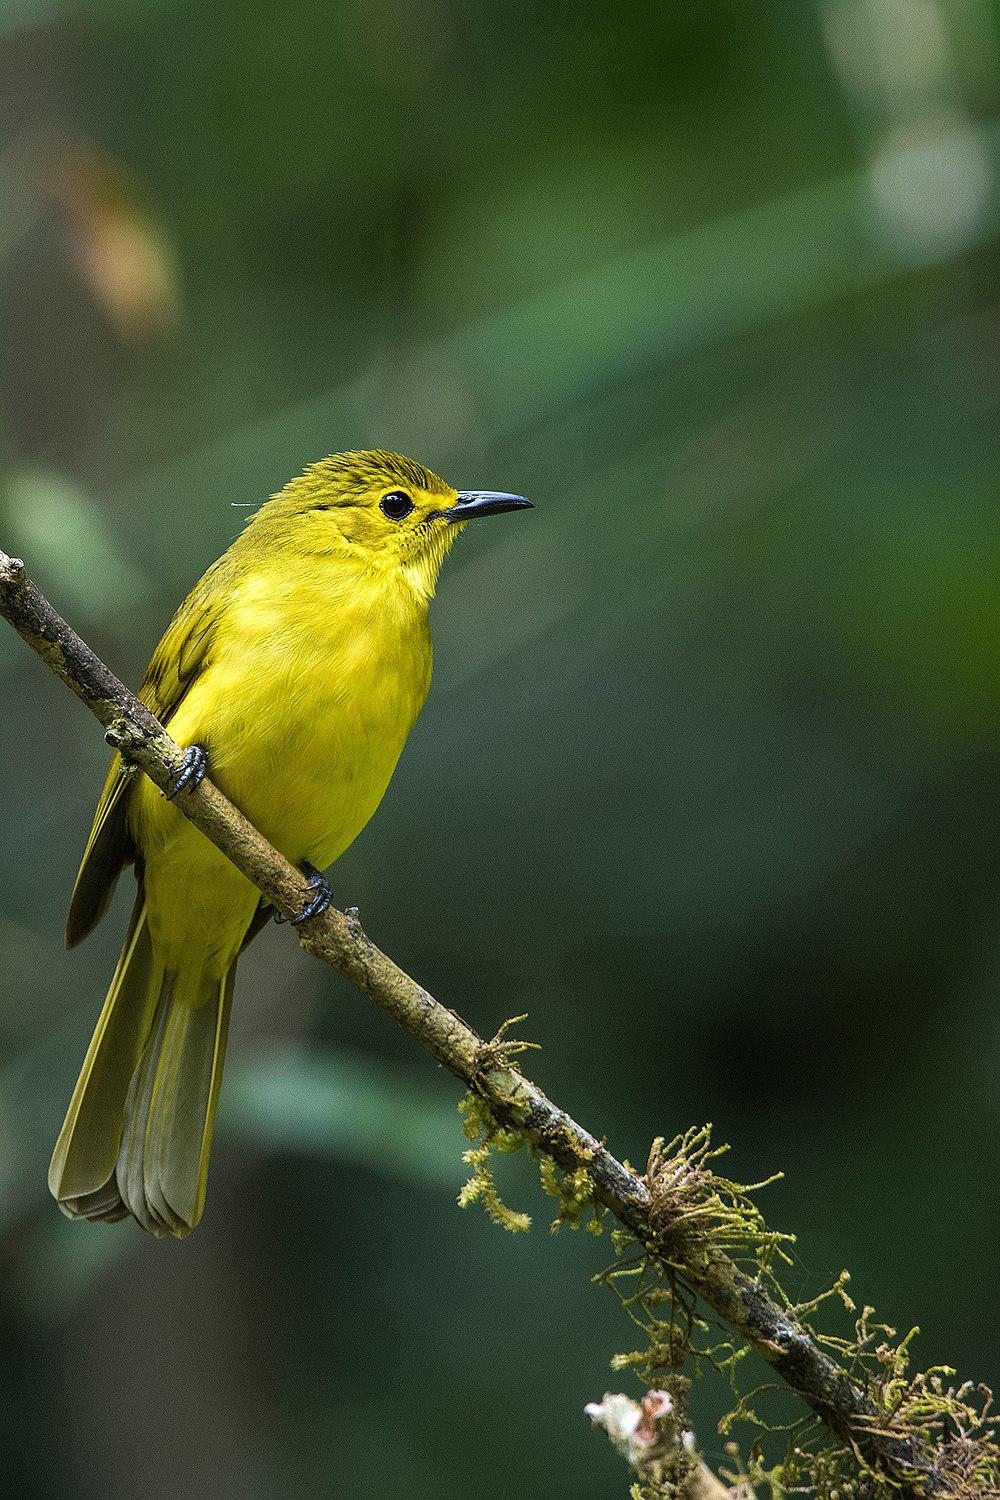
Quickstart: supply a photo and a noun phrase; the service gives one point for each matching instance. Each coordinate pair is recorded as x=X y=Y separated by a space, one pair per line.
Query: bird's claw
x=190 y=773
x=322 y=898
x=317 y=906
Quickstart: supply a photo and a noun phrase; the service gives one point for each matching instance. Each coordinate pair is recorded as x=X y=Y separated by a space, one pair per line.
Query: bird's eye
x=396 y=505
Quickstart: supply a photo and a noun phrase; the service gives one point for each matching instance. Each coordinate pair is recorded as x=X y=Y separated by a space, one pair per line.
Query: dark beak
x=475 y=503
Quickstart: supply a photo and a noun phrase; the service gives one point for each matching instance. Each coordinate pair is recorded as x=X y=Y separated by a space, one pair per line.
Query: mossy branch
x=676 y=1229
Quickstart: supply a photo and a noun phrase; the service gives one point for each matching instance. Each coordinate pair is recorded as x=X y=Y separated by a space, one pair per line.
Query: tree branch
x=653 y=1437
x=338 y=939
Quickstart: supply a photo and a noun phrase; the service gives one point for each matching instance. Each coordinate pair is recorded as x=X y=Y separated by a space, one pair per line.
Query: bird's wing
x=183 y=652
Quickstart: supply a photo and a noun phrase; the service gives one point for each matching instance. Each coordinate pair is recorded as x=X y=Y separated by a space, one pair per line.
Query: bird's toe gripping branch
x=190 y=774
x=322 y=897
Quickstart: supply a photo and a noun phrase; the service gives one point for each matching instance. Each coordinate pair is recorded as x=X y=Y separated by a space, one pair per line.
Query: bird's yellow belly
x=304 y=740
x=311 y=778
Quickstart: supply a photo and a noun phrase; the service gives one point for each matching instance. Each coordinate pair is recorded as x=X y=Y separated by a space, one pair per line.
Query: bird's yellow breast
x=304 y=708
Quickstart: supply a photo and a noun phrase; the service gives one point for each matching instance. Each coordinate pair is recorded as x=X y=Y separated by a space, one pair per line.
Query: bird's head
x=387 y=512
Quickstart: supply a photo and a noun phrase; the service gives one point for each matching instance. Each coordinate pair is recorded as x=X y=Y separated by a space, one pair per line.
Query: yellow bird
x=294 y=671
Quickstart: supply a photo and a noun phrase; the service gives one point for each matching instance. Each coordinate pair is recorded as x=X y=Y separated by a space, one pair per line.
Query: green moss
x=575 y=1194
x=695 y=1210
x=573 y=1190
x=480 y=1126
x=697 y=1215
x=502 y=1050
x=947 y=1424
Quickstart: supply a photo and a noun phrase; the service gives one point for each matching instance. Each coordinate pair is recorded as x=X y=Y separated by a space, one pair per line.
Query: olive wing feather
x=183 y=652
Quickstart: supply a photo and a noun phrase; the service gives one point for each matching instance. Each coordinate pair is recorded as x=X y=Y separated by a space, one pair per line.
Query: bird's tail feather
x=138 y=1130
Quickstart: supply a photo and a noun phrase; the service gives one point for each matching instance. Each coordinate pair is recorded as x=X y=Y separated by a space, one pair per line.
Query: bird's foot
x=190 y=774
x=322 y=897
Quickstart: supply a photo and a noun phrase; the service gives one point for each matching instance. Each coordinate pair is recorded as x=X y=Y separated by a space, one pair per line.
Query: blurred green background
x=708 y=781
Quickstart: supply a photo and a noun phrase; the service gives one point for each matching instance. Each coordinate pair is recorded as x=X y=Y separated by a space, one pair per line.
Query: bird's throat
x=422 y=569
